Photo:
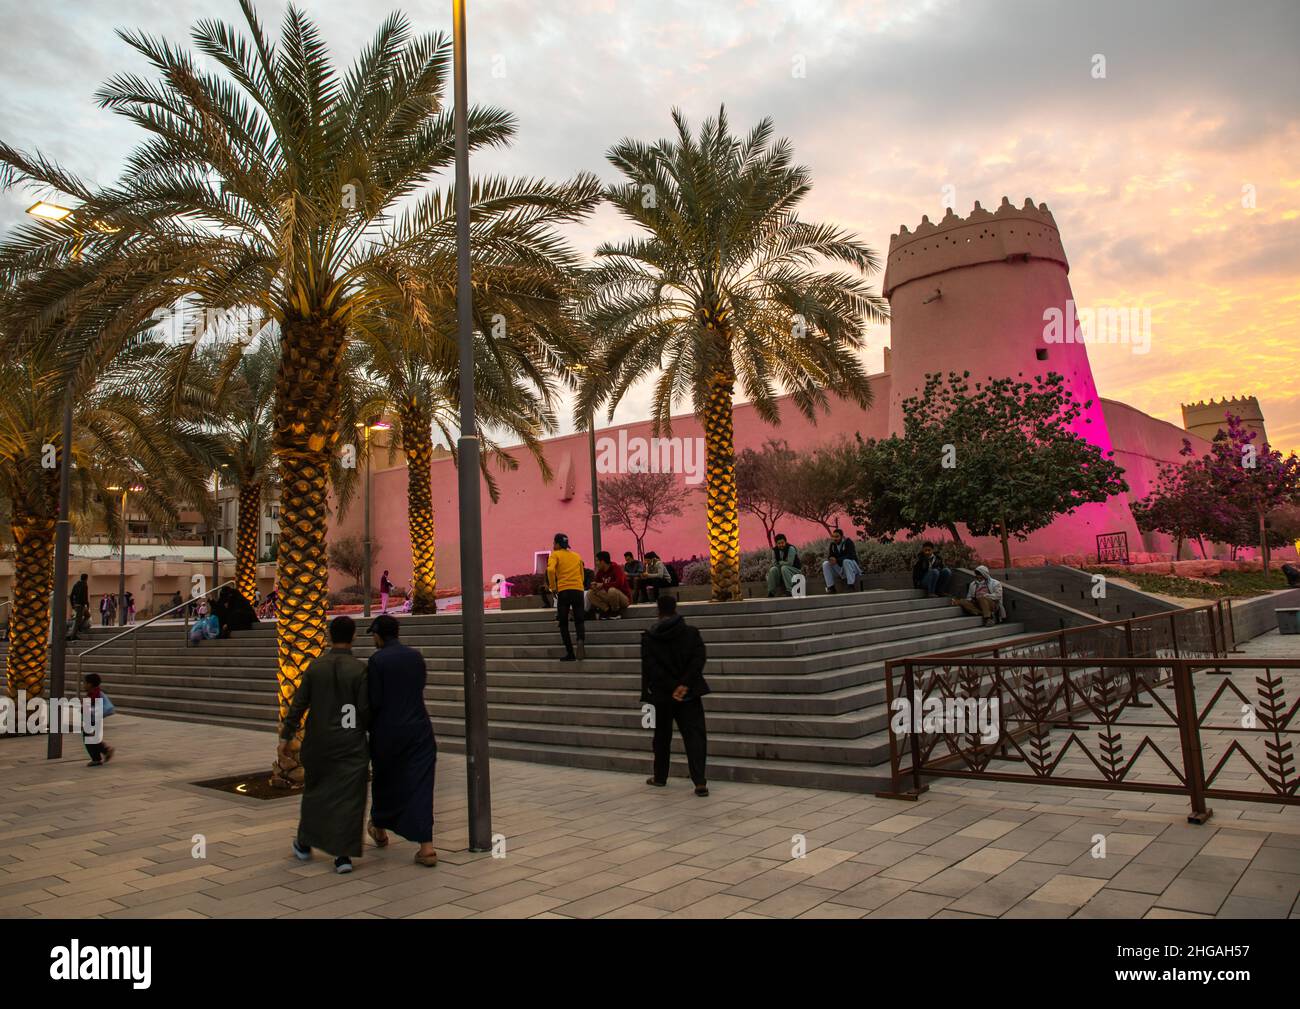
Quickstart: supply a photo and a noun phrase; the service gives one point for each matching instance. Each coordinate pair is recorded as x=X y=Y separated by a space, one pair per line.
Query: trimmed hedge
x=874 y=558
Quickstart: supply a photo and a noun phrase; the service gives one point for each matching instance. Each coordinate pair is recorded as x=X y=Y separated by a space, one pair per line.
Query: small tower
x=1205 y=419
x=978 y=294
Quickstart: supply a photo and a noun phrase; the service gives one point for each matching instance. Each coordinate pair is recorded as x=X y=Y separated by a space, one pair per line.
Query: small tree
x=761 y=480
x=348 y=555
x=820 y=486
x=1002 y=457
x=639 y=502
x=1253 y=478
x=1186 y=506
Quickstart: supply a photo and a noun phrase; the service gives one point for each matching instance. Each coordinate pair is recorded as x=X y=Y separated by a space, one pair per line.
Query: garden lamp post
x=375 y=425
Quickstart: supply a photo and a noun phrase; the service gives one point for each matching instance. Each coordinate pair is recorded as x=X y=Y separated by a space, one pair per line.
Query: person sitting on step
x=785 y=566
x=654 y=578
x=929 y=573
x=610 y=593
x=983 y=597
x=841 y=561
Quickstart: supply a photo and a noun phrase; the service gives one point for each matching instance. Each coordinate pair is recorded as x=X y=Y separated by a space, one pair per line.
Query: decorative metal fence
x=1173 y=725
x=1146 y=704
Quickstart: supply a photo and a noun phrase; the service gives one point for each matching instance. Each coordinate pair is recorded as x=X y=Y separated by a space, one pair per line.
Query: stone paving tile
x=991 y=860
x=1139 y=878
x=1074 y=891
x=720 y=905
x=792 y=901
x=1237 y=906
x=913 y=904
x=1197 y=895
x=1109 y=903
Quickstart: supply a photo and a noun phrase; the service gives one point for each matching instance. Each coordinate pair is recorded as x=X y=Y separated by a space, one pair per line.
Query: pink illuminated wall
x=967 y=294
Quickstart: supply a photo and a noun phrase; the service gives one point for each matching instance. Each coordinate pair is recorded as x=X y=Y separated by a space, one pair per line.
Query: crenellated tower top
x=1207 y=417
x=1011 y=233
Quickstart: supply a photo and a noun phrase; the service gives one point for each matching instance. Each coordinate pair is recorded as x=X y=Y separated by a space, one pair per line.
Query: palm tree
x=726 y=284
x=242 y=383
x=282 y=185
x=416 y=378
x=120 y=437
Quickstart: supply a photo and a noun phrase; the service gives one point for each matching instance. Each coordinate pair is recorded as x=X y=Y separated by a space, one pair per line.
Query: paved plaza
x=120 y=841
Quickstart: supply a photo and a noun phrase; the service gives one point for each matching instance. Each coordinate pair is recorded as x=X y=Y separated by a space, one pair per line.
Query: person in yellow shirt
x=565 y=576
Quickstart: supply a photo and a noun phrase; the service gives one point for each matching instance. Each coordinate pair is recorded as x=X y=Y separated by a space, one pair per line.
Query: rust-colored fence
x=1204 y=726
x=1188 y=633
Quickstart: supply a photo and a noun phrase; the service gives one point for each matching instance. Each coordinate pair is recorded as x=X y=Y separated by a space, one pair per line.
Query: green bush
x=873 y=557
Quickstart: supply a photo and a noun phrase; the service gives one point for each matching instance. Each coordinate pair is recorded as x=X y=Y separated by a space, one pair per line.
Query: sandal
x=381 y=841
x=429 y=860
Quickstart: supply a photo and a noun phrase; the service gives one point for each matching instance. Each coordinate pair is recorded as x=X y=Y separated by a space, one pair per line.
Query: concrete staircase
x=798 y=683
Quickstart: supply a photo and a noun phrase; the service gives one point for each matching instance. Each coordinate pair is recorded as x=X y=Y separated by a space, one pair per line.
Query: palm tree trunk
x=250 y=524
x=29 y=622
x=418 y=442
x=306 y=430
x=720 y=486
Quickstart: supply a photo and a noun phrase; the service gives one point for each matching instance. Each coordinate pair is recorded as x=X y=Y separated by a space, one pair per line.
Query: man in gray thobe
x=335 y=754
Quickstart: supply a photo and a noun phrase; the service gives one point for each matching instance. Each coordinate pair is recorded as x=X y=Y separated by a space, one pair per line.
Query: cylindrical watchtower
x=990 y=294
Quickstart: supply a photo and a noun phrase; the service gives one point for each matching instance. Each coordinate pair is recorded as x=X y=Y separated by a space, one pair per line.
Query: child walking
x=100 y=753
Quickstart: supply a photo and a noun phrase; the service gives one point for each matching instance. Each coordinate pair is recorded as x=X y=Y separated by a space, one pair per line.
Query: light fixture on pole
x=478 y=779
x=376 y=425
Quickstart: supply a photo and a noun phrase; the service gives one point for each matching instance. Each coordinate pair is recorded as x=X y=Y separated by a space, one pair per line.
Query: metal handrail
x=1215 y=608
x=135 y=653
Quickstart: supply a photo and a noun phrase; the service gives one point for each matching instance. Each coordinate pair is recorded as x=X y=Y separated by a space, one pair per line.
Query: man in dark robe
x=334 y=753
x=234 y=612
x=403 y=752
x=672 y=679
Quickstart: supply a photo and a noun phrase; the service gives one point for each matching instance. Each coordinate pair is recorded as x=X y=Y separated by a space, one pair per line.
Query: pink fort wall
x=994 y=274
x=530 y=511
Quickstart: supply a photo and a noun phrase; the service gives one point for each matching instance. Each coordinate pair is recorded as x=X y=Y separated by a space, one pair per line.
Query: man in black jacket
x=929 y=573
x=672 y=679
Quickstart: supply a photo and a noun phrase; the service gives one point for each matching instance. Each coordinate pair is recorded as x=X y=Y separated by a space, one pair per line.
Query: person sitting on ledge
x=652 y=579
x=841 y=561
x=631 y=566
x=785 y=566
x=1292 y=575
x=610 y=593
x=983 y=597
x=233 y=612
x=929 y=572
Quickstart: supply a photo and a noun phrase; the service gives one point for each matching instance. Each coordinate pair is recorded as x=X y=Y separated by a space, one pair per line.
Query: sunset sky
x=1149 y=171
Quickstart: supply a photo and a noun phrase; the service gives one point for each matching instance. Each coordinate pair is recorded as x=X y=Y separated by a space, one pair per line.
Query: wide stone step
x=800 y=774
x=751 y=747
x=630 y=716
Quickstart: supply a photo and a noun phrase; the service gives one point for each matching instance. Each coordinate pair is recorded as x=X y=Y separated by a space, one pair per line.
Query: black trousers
x=689 y=716
x=570 y=601
x=95 y=750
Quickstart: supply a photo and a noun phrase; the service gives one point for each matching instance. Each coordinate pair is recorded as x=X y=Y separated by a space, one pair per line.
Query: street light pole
x=595 y=493
x=216 y=520
x=62 y=548
x=478 y=781
x=121 y=569
x=365 y=583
